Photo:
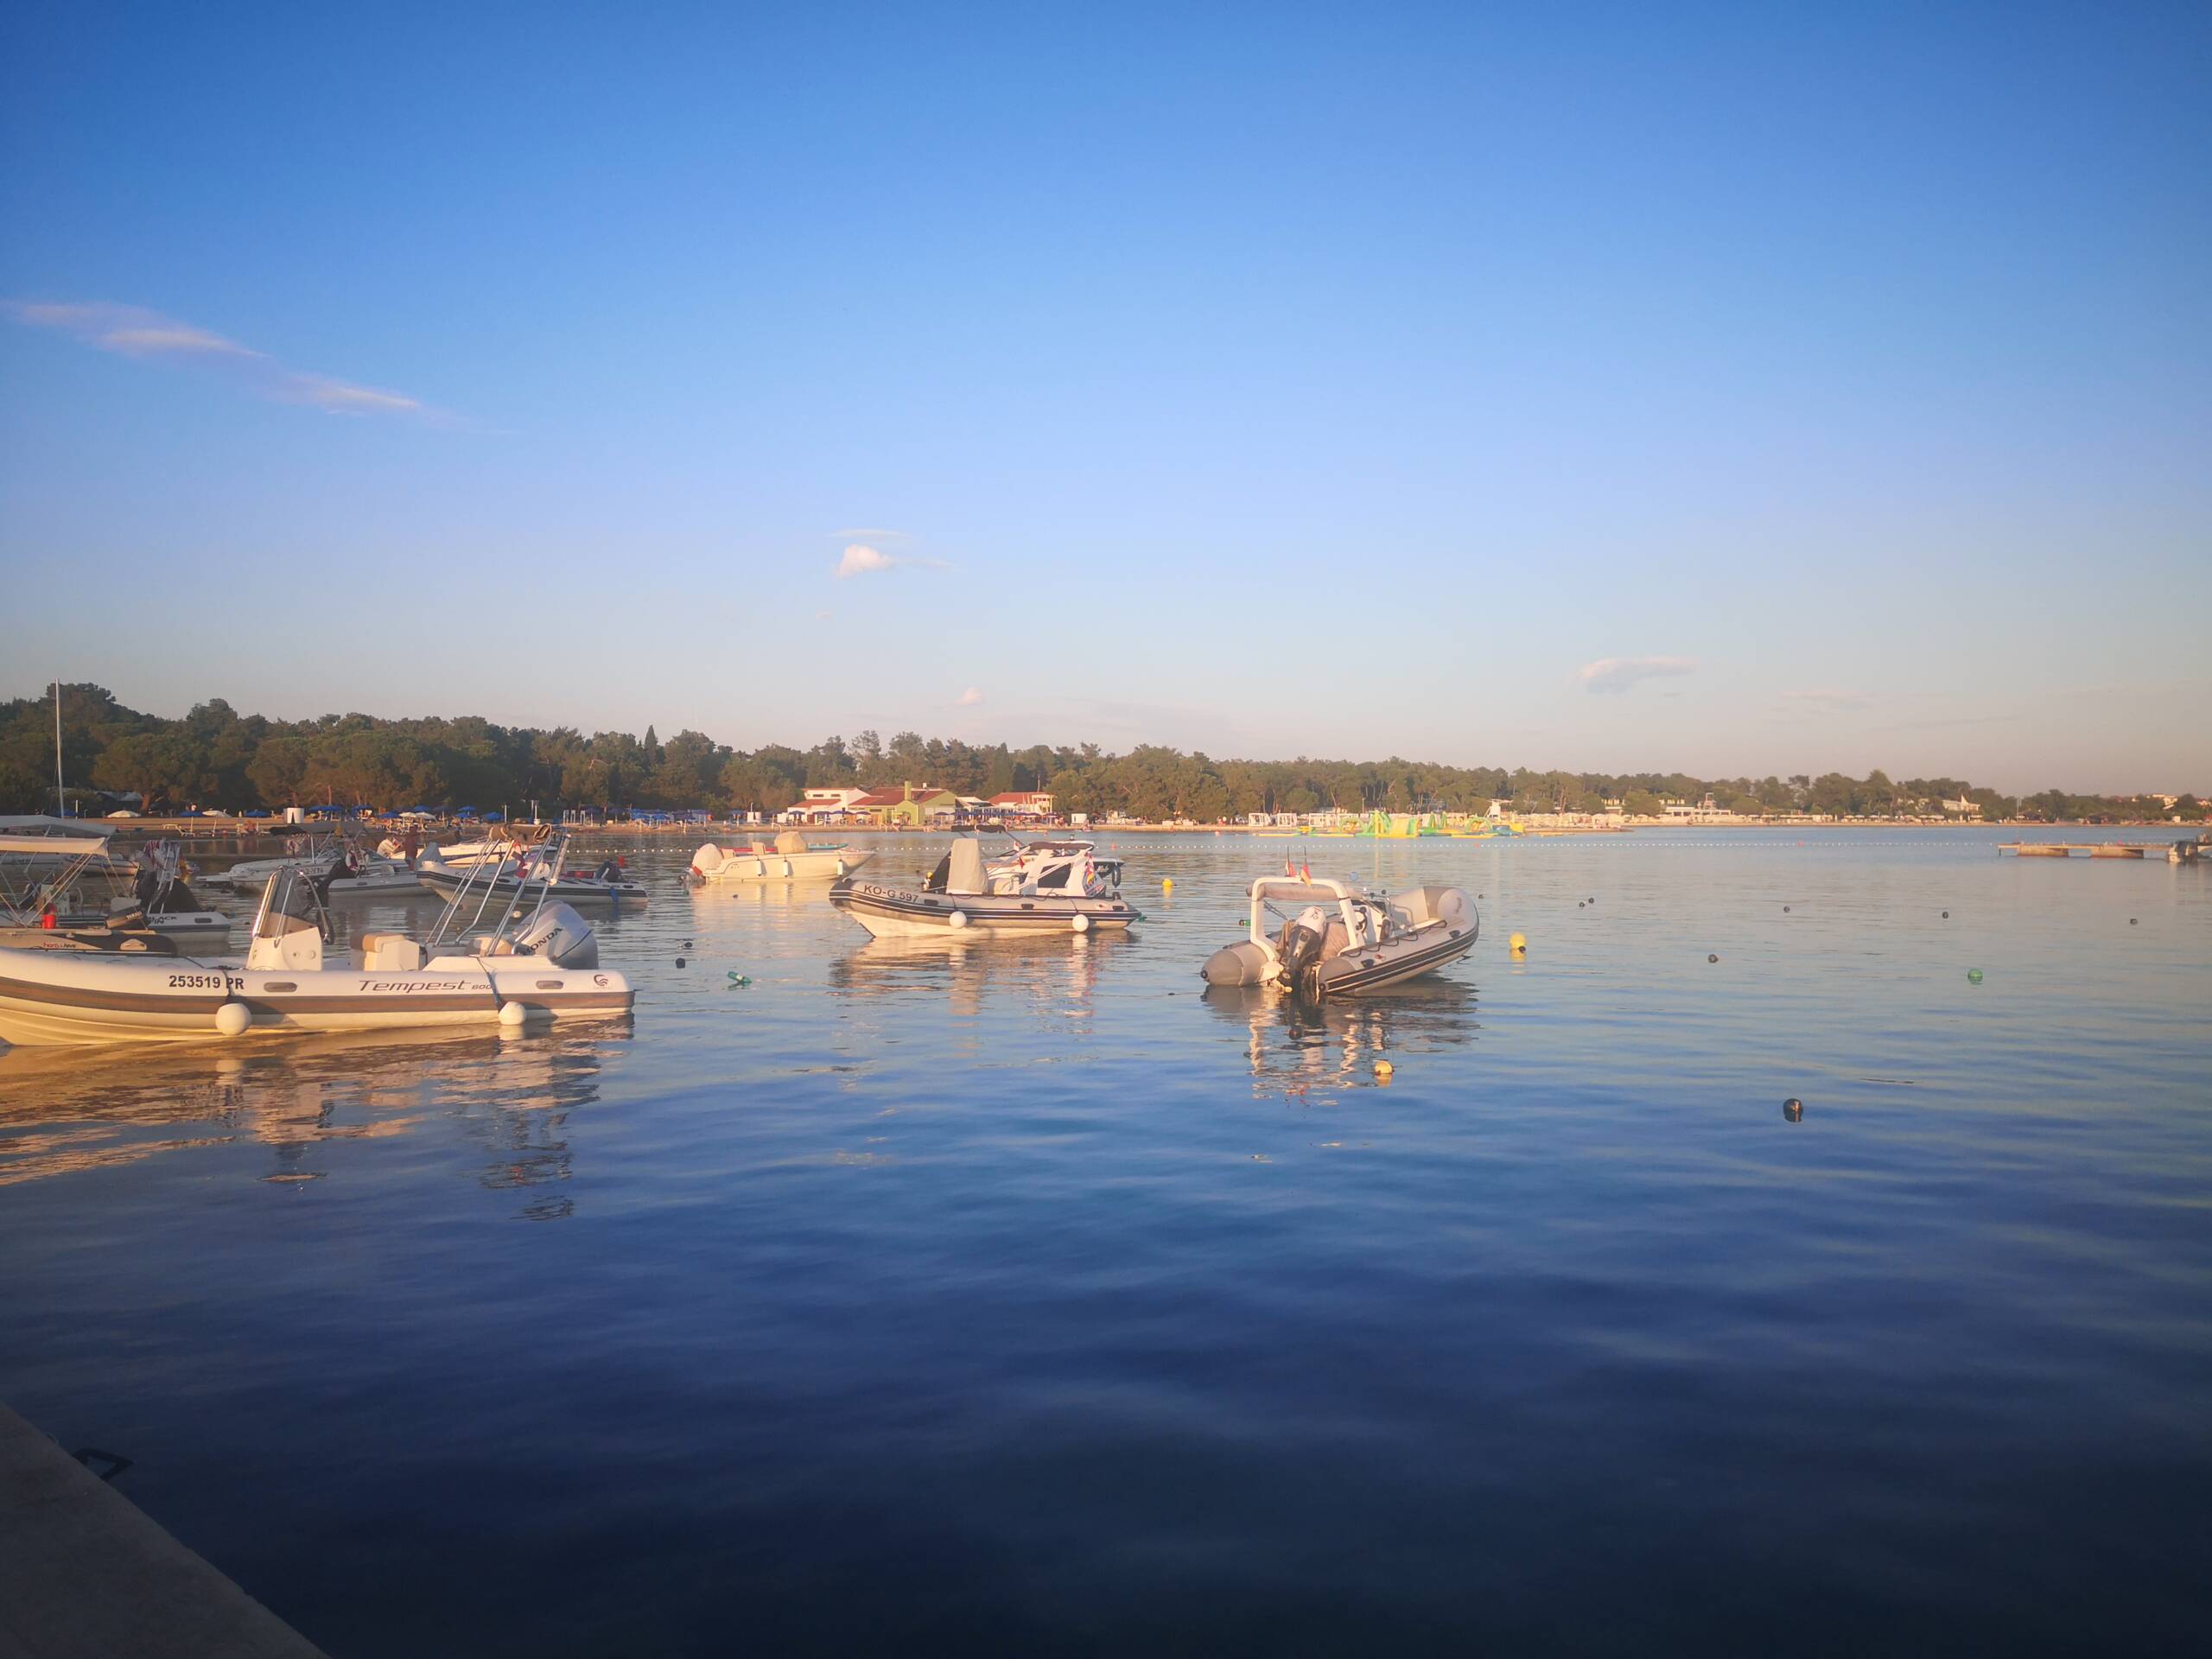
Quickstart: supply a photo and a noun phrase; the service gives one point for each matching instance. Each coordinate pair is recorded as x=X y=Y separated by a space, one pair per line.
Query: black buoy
x=2131 y=921
x=1792 y=1109
x=679 y=962
x=1947 y=915
x=1713 y=958
x=1785 y=910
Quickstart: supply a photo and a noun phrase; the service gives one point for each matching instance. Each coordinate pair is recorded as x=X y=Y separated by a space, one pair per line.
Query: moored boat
x=512 y=877
x=789 y=858
x=293 y=978
x=1344 y=940
x=1064 y=889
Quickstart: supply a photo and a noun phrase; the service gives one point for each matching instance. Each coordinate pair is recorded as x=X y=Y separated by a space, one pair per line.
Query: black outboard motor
x=1303 y=936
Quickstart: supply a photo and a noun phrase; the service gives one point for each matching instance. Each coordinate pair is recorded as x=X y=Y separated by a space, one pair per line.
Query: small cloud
x=1617 y=674
x=339 y=397
x=1833 y=700
x=133 y=331
x=971 y=697
x=860 y=558
x=821 y=616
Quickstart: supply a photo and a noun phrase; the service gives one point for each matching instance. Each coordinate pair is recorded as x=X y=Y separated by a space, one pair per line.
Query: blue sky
x=1733 y=387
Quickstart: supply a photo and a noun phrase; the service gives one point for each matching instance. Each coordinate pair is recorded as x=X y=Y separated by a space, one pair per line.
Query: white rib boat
x=511 y=878
x=789 y=860
x=1345 y=939
x=45 y=872
x=85 y=990
x=1058 y=890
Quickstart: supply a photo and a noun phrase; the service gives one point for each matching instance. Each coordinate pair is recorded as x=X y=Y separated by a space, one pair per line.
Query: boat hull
x=1356 y=972
x=54 y=997
x=902 y=913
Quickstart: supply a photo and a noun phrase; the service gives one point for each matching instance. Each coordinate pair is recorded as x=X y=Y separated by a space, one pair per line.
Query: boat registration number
x=205 y=982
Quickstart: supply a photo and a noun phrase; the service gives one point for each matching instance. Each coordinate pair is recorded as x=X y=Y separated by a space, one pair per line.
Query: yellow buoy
x=1518 y=944
x=1167 y=884
x=1383 y=1070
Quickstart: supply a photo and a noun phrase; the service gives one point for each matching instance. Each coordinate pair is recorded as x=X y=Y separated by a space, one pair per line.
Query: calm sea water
x=1021 y=1297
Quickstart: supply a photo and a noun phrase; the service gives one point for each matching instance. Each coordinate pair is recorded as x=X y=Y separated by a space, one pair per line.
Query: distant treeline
x=215 y=757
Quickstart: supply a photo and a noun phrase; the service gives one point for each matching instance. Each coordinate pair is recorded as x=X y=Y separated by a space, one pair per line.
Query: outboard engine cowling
x=1302 y=939
x=562 y=937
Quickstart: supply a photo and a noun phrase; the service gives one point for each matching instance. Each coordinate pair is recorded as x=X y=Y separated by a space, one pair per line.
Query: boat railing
x=544 y=845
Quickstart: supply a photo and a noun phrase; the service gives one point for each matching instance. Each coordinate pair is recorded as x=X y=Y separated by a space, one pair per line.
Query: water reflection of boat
x=64 y=1112
x=1294 y=1044
x=963 y=970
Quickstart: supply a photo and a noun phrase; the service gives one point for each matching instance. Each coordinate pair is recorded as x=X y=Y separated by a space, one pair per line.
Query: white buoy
x=512 y=1013
x=232 y=1018
x=1081 y=924
x=787 y=868
x=958 y=918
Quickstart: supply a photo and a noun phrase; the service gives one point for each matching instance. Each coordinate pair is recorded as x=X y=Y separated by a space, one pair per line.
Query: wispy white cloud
x=870 y=535
x=1617 y=674
x=971 y=697
x=860 y=558
x=134 y=331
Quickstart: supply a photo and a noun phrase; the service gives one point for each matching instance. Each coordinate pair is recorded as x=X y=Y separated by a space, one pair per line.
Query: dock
x=2178 y=852
x=86 y=1572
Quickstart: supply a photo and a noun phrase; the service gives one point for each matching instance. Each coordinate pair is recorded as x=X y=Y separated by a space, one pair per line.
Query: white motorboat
x=340 y=869
x=1066 y=891
x=1344 y=940
x=511 y=877
x=44 y=880
x=81 y=991
x=789 y=859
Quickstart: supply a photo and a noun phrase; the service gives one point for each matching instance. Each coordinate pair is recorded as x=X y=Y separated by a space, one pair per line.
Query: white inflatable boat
x=45 y=878
x=1344 y=940
x=293 y=979
x=510 y=877
x=1062 y=891
x=790 y=860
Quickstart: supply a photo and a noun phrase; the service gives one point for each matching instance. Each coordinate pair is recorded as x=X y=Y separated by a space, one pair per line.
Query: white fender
x=232 y=1018
x=957 y=919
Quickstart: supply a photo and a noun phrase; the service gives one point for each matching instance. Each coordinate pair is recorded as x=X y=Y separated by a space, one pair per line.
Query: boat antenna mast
x=61 y=803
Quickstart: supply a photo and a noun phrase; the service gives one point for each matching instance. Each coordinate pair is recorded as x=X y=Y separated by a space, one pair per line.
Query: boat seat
x=390 y=953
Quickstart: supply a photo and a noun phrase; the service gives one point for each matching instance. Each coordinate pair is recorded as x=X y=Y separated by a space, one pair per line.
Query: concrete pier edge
x=85 y=1572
